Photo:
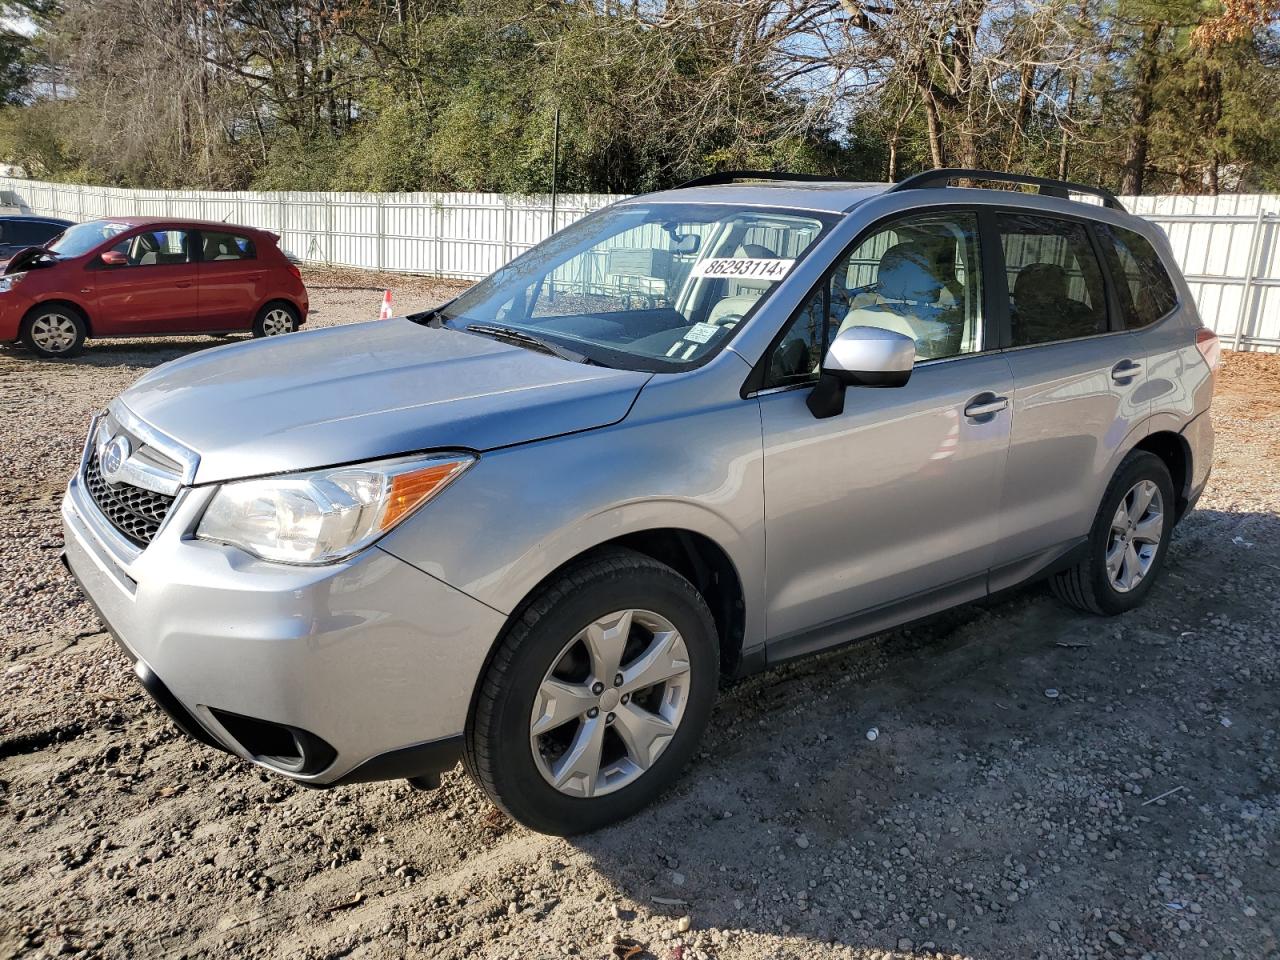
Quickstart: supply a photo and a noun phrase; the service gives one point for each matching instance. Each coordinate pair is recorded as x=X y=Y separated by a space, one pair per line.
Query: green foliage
x=37 y=138
x=15 y=66
x=406 y=95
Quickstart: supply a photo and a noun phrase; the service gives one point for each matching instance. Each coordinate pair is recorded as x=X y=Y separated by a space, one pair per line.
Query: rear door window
x=1055 y=281
x=1146 y=293
x=42 y=233
x=28 y=234
x=226 y=246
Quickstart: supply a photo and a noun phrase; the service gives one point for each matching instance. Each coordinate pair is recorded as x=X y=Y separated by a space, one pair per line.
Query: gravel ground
x=1134 y=814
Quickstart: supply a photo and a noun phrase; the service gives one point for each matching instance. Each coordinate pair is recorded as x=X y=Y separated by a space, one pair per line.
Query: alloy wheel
x=54 y=332
x=610 y=704
x=277 y=322
x=1136 y=531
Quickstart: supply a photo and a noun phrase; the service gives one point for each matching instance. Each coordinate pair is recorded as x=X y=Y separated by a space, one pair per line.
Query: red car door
x=232 y=280
x=153 y=290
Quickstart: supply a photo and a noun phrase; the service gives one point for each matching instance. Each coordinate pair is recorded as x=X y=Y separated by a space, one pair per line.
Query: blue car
x=19 y=232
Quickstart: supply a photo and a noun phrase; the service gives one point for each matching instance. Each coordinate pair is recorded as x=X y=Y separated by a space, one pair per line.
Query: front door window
x=918 y=276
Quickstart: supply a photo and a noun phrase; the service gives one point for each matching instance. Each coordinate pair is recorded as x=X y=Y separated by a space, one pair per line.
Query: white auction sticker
x=700 y=332
x=744 y=268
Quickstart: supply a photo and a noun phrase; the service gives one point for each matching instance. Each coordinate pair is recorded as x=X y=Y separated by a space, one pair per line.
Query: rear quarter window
x=1143 y=285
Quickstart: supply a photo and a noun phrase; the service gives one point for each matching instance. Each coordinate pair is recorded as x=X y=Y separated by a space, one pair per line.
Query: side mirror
x=861 y=357
x=114 y=258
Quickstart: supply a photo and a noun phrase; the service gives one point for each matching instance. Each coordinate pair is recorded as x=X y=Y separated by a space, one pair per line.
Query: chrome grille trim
x=135 y=502
x=162 y=447
x=137 y=513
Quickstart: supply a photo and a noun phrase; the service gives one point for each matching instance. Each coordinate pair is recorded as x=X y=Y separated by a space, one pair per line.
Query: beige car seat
x=907 y=290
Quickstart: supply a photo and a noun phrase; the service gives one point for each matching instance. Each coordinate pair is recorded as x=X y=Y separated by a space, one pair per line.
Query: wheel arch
x=283 y=300
x=59 y=302
x=695 y=556
x=1173 y=449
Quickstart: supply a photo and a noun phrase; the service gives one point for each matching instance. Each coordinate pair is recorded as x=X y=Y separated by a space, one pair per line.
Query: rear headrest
x=1040 y=283
x=907 y=272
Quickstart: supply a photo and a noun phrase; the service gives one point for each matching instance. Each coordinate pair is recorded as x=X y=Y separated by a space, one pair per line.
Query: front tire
x=597 y=696
x=54 y=332
x=276 y=319
x=1127 y=543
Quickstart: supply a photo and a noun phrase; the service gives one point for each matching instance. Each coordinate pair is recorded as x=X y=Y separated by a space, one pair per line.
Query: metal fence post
x=328 y=229
x=380 y=230
x=1250 y=269
x=506 y=230
x=437 y=216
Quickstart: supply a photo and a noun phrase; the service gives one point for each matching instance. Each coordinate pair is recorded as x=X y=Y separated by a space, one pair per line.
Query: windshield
x=83 y=237
x=656 y=286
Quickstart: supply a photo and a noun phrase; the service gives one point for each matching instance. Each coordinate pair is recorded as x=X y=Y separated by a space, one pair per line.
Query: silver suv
x=694 y=435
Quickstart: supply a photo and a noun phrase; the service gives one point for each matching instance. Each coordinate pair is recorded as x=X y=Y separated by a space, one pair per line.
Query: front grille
x=135 y=512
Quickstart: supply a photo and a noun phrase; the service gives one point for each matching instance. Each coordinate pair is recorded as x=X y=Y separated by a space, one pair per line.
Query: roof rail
x=737 y=176
x=1048 y=187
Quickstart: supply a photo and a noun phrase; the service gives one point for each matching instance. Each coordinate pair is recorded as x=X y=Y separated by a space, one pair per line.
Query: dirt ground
x=1134 y=814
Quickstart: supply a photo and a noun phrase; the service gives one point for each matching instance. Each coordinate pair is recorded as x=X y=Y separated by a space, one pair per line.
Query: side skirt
x=920 y=606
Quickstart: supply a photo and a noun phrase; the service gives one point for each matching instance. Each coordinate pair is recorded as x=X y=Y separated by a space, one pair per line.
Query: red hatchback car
x=142 y=276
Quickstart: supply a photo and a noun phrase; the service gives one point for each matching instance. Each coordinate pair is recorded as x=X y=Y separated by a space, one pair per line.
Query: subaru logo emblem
x=114 y=457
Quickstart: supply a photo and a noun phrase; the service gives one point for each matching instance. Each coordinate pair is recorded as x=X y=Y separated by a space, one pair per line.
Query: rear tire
x=276 y=319
x=1127 y=543
x=587 y=769
x=54 y=332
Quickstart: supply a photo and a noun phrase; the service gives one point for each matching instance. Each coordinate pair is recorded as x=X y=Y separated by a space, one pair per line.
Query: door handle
x=1125 y=370
x=985 y=405
x=183 y=283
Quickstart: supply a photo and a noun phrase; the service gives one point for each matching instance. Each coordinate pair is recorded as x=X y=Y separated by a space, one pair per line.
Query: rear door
x=1149 y=308
x=232 y=280
x=154 y=291
x=1078 y=387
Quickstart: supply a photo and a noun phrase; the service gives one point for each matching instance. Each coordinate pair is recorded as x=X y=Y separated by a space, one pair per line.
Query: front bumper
x=369 y=664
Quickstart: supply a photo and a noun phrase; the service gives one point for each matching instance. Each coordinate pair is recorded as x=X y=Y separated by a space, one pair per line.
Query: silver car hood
x=366 y=390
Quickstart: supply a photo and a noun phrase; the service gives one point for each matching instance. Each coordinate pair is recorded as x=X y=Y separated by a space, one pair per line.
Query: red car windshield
x=83 y=237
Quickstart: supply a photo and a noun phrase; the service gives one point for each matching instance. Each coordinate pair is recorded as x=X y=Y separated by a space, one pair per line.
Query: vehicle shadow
x=965 y=783
x=142 y=352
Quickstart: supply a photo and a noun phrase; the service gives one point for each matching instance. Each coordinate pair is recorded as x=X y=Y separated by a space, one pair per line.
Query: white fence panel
x=1227 y=246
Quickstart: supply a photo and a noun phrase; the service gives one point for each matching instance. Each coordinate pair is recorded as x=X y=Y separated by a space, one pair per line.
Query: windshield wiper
x=522 y=339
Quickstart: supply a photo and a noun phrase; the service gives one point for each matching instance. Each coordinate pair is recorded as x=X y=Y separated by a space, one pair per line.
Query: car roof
x=181 y=223
x=807 y=192
x=34 y=218
x=826 y=196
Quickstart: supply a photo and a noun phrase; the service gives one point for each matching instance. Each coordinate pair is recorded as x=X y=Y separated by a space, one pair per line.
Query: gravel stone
x=1010 y=821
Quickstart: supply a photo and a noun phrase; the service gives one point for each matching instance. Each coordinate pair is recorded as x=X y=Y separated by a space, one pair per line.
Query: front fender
x=521 y=513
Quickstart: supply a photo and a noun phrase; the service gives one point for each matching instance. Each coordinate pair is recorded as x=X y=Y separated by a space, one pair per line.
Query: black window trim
x=754 y=385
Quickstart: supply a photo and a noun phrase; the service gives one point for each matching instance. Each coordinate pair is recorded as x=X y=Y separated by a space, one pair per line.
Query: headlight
x=9 y=281
x=325 y=515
